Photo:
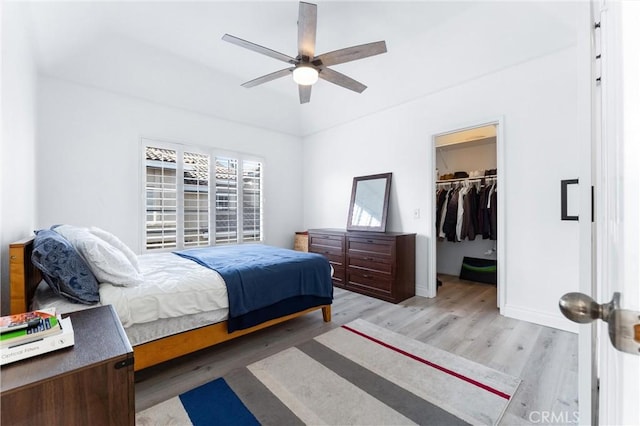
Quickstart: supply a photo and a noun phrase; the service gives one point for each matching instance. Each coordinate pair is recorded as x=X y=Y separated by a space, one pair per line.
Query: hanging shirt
x=461 y=195
x=469 y=216
x=441 y=196
x=493 y=213
x=451 y=218
x=441 y=234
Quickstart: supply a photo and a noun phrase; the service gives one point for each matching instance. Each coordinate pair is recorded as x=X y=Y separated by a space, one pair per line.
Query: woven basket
x=301 y=242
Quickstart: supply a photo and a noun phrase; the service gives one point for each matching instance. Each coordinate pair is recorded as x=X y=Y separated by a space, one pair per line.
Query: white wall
x=89 y=159
x=17 y=150
x=538 y=101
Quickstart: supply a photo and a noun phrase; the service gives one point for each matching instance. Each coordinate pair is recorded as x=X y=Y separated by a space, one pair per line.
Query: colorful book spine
x=42 y=346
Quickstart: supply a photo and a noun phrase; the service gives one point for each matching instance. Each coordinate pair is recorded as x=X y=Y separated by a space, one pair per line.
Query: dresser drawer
x=331 y=246
x=370 y=245
x=327 y=240
x=370 y=261
x=339 y=275
x=370 y=281
x=335 y=256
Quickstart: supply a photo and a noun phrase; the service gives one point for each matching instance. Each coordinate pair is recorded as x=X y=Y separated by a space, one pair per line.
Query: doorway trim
x=500 y=164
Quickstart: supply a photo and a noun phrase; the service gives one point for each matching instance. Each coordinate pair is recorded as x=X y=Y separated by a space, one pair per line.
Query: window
x=179 y=212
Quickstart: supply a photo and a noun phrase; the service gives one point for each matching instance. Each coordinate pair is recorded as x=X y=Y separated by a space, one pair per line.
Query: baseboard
x=422 y=290
x=541 y=318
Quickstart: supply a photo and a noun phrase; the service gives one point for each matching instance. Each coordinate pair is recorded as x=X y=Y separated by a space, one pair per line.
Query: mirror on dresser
x=369 y=203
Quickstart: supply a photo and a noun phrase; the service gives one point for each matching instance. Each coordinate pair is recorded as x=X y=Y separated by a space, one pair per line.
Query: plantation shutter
x=161 y=198
x=196 y=199
x=226 y=214
x=251 y=201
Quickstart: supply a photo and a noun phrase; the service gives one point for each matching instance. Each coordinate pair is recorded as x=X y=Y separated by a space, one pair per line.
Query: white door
x=617 y=256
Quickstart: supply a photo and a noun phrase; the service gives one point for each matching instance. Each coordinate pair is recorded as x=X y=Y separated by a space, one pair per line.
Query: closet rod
x=467 y=179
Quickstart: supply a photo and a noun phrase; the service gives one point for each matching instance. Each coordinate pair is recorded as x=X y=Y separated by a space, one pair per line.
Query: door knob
x=580 y=308
x=624 y=325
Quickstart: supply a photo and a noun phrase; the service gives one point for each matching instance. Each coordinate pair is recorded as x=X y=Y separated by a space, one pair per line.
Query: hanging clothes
x=470 y=220
x=493 y=213
x=480 y=213
x=443 y=214
x=451 y=218
x=488 y=212
x=441 y=196
x=466 y=211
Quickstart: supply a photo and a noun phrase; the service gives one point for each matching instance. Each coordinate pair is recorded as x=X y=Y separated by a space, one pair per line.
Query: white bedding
x=137 y=333
x=173 y=287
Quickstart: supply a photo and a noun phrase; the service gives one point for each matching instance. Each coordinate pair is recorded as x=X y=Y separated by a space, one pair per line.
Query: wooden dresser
x=90 y=383
x=378 y=264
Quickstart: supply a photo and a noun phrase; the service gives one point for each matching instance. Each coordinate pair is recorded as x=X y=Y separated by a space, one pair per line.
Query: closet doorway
x=468 y=236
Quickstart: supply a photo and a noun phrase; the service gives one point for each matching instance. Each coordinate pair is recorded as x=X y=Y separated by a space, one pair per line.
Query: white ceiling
x=172 y=52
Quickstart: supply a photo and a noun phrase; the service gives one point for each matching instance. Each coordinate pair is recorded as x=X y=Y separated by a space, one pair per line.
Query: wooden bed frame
x=24 y=278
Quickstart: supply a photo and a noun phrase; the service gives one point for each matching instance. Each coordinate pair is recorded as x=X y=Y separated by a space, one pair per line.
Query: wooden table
x=90 y=383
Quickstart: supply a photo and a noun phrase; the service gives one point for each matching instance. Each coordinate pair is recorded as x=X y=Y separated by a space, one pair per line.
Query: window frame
x=213 y=153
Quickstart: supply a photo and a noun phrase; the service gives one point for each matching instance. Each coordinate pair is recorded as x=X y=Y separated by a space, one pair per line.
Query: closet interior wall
x=465 y=156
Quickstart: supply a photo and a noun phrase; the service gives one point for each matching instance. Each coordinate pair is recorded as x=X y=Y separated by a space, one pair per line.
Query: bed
x=26 y=280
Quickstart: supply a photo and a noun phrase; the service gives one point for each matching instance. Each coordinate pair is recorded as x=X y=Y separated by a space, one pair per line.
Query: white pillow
x=117 y=243
x=108 y=264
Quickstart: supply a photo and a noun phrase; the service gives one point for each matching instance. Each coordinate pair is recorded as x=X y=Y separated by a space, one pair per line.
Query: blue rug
x=356 y=374
x=223 y=406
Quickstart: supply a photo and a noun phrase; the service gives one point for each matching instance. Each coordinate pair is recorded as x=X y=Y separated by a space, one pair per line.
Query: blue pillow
x=63 y=268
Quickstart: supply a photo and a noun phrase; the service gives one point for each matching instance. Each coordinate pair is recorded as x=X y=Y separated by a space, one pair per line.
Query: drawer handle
x=326 y=252
x=125 y=363
x=366 y=276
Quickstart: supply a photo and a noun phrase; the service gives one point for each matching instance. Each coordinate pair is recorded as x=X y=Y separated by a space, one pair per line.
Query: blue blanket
x=259 y=276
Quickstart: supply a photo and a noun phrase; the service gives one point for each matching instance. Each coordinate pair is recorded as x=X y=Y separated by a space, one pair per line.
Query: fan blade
x=305 y=93
x=341 y=80
x=257 y=48
x=307 y=22
x=350 y=54
x=268 y=77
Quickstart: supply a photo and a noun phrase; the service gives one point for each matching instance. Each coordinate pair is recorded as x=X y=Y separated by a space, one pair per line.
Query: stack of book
x=33 y=333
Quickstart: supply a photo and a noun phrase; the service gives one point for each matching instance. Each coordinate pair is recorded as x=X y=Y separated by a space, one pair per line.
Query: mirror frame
x=385 y=206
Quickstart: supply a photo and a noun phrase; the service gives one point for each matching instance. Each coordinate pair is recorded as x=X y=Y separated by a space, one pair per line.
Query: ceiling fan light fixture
x=307 y=65
x=305 y=75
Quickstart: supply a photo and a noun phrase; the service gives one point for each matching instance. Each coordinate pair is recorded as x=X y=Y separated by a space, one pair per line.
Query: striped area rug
x=356 y=374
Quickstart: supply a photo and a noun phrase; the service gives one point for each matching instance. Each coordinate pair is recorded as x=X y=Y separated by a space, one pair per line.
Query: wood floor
x=462 y=319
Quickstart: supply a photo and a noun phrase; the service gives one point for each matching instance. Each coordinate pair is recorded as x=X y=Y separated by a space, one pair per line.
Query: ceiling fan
x=307 y=67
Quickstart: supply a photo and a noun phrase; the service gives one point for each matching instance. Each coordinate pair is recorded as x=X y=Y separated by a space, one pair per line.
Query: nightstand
x=88 y=383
